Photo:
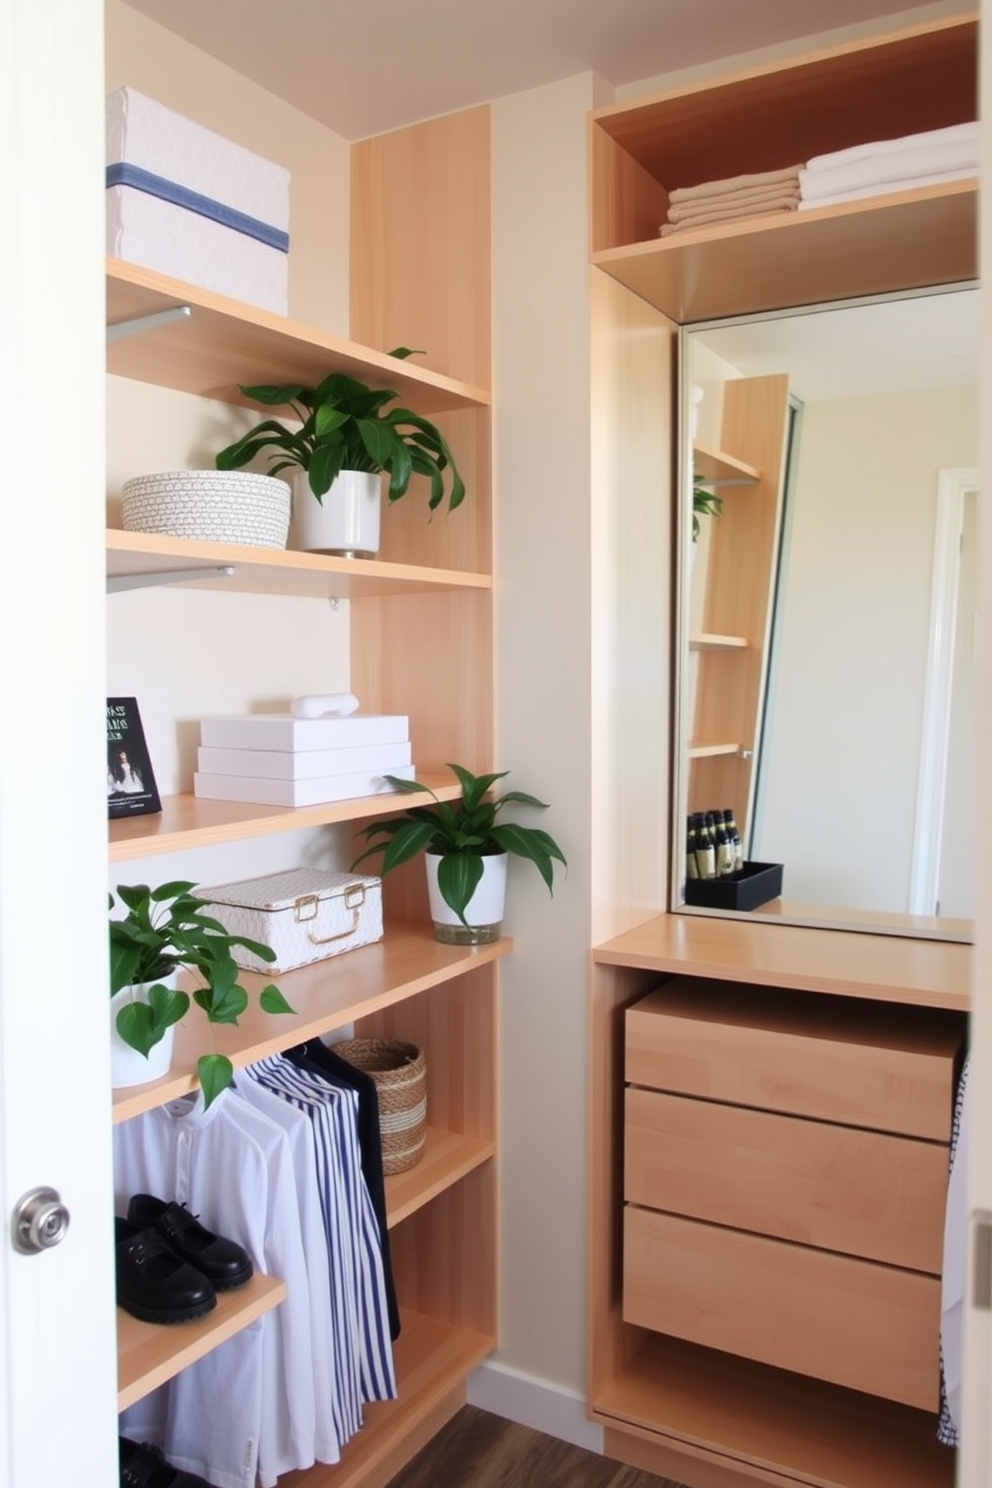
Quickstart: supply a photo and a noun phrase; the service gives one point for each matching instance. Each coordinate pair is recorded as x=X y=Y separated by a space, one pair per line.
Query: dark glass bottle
x=724 y=845
x=691 y=866
x=705 y=848
x=730 y=826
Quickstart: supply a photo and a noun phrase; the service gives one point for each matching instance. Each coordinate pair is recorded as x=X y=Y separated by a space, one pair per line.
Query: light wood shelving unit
x=705 y=1415
x=421 y=644
x=774 y=116
x=729 y=676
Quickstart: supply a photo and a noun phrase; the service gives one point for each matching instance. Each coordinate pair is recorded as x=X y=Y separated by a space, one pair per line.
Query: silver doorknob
x=40 y=1221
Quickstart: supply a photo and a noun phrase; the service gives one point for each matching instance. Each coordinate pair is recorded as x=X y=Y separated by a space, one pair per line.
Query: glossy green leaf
x=215 y=1074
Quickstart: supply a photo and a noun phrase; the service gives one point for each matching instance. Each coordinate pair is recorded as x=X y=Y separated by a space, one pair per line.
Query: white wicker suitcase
x=304 y=914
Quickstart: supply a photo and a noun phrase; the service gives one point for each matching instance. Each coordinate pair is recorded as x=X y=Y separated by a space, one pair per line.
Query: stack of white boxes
x=277 y=759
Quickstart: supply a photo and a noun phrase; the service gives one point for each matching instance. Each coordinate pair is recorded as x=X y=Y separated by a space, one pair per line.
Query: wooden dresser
x=772 y=1113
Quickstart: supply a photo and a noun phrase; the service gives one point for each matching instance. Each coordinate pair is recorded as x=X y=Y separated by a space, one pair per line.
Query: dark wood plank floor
x=479 y=1450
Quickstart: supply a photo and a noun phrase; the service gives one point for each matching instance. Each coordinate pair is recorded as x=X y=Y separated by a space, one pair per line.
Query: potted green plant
x=346 y=429
x=466 y=849
x=164 y=931
x=705 y=503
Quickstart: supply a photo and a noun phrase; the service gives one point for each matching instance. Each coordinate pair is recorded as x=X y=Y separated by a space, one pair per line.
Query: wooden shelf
x=449 y=1156
x=225 y=343
x=148 y=1354
x=720 y=469
x=277 y=571
x=702 y=1408
x=704 y=642
x=884 y=968
x=324 y=996
x=433 y=1359
x=187 y=821
x=710 y=751
x=770 y=117
x=906 y=240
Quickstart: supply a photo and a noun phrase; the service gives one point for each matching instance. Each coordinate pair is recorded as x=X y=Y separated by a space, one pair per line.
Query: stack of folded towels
x=890 y=165
x=728 y=200
x=844 y=175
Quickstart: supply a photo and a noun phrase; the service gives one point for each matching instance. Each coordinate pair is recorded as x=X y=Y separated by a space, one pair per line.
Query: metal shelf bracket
x=118 y=582
x=141 y=323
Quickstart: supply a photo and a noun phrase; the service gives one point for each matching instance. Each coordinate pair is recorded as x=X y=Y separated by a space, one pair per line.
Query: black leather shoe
x=222 y=1261
x=153 y=1282
x=145 y=1466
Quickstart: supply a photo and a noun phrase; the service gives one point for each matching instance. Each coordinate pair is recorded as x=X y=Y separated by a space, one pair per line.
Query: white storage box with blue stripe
x=189 y=203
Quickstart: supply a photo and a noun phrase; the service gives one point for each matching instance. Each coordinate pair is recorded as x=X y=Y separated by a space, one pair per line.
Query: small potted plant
x=466 y=849
x=705 y=503
x=348 y=437
x=164 y=931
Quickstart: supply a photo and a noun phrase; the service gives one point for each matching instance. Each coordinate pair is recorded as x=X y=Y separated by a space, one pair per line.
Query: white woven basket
x=222 y=506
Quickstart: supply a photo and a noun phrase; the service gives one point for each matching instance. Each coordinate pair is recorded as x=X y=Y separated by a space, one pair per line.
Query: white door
x=57 y=1364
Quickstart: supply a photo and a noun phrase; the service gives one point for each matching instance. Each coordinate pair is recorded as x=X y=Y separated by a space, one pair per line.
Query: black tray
x=755 y=884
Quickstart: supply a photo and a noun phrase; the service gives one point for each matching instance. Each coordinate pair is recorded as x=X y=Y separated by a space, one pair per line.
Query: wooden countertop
x=882 y=968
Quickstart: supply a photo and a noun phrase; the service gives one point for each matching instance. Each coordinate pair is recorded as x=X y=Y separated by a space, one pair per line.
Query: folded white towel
x=885 y=188
x=957 y=133
x=923 y=160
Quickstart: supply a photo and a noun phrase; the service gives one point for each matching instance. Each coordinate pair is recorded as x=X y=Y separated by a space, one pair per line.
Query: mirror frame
x=843 y=918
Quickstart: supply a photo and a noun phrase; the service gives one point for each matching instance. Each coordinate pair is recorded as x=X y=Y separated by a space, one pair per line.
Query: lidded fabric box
x=304 y=914
x=185 y=201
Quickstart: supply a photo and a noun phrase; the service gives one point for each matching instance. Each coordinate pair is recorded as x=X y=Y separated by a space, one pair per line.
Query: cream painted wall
x=188 y=652
x=541 y=450
x=855 y=633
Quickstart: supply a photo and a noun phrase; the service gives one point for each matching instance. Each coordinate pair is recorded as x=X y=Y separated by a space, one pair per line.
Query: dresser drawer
x=861 y=1192
x=850 y=1322
x=858 y=1064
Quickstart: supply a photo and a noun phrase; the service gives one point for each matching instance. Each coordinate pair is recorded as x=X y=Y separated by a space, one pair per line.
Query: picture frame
x=131 y=787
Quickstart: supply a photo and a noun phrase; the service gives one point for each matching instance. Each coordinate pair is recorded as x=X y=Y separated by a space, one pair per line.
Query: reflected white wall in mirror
x=883 y=401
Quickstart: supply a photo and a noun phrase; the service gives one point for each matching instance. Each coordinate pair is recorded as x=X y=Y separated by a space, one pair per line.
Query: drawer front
x=871 y=1067
x=835 y=1187
x=853 y=1323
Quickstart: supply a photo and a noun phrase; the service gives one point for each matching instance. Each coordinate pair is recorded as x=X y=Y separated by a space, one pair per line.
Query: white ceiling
x=362 y=67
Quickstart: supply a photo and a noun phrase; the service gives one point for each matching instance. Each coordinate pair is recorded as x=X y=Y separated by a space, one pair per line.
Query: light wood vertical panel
x=444 y=1256
x=456 y=1028
x=433 y=662
x=611 y=1342
x=461 y=539
x=743 y=550
x=632 y=386
x=420 y=243
x=627 y=204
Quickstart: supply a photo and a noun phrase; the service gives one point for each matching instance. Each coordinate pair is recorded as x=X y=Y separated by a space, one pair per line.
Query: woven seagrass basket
x=400 y=1076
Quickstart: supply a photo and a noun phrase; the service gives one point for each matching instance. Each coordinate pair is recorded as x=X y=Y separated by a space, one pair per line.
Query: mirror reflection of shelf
x=703 y=641
x=710 y=751
x=719 y=469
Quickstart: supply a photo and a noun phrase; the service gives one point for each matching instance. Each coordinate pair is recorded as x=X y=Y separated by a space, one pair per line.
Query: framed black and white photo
x=131 y=788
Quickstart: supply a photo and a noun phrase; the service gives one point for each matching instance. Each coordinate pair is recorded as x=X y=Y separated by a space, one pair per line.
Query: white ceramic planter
x=223 y=506
x=127 y=1066
x=484 y=911
x=345 y=522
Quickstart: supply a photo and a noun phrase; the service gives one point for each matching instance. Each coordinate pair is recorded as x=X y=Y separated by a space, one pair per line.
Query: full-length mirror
x=827 y=614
